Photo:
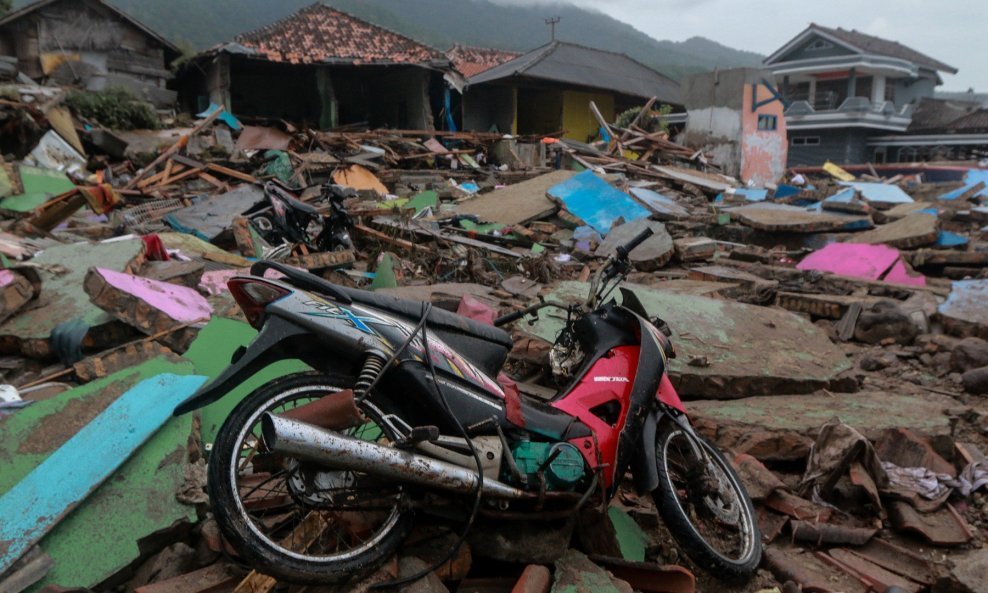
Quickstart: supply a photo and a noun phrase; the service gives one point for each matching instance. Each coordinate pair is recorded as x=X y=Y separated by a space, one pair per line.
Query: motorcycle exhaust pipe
x=332 y=449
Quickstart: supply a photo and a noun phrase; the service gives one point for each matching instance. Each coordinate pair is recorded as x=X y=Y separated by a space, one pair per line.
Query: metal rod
x=325 y=447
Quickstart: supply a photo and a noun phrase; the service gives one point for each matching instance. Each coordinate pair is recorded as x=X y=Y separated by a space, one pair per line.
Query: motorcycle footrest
x=419 y=434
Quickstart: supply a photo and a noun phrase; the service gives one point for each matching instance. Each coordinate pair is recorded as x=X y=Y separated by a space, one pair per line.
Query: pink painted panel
x=856 y=260
x=899 y=274
x=181 y=303
x=6 y=277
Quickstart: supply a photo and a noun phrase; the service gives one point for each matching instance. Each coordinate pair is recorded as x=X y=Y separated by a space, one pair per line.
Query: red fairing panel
x=609 y=380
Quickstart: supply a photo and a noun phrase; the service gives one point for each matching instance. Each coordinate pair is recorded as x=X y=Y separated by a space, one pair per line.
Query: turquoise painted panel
x=33 y=506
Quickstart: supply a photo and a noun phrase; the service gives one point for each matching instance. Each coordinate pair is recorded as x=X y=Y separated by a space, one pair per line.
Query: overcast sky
x=953 y=31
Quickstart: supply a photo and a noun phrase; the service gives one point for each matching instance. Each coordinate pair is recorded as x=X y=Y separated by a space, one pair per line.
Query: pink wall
x=763 y=152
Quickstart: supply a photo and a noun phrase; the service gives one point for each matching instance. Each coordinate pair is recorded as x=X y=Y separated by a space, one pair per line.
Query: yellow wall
x=577 y=118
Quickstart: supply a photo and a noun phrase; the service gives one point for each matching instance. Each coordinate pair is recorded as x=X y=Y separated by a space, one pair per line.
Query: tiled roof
x=319 y=34
x=884 y=47
x=936 y=114
x=471 y=61
x=972 y=123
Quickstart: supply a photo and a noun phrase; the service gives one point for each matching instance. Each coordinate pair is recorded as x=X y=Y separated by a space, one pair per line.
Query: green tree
x=5 y=6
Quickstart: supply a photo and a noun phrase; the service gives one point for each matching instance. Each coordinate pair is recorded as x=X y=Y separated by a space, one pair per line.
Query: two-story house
x=844 y=88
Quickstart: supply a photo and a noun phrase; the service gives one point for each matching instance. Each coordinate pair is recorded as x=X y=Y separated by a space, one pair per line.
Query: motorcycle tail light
x=254 y=296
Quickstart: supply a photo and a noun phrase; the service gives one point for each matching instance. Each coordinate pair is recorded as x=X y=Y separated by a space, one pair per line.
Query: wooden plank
x=389 y=239
x=306 y=532
x=173 y=149
x=32 y=507
x=231 y=173
x=215 y=577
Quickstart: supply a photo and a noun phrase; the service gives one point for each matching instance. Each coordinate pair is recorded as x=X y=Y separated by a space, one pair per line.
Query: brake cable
x=478 y=492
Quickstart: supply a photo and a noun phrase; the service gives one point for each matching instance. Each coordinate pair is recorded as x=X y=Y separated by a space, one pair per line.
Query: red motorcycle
x=316 y=477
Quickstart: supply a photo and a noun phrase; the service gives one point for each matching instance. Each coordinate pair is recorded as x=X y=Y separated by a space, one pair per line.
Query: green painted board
x=384 y=275
x=631 y=539
x=39 y=186
x=62 y=295
x=100 y=537
x=750 y=350
x=211 y=352
x=423 y=200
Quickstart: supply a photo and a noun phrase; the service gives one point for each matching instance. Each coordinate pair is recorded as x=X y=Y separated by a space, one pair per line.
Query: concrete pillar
x=878 y=89
x=812 y=97
x=852 y=82
x=328 y=114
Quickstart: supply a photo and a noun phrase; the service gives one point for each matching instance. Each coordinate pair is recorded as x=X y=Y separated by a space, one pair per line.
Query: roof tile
x=326 y=35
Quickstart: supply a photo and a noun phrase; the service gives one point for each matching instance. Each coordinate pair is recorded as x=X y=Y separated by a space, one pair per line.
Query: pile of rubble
x=826 y=297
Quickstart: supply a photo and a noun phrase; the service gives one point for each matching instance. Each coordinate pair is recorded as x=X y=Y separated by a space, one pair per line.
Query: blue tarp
x=596 y=202
x=880 y=192
x=784 y=191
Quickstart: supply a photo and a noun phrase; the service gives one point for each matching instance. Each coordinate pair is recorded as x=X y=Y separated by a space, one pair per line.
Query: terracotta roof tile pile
x=319 y=34
x=471 y=61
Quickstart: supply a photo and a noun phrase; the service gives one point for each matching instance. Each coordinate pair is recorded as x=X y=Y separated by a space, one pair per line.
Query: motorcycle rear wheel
x=704 y=505
x=292 y=520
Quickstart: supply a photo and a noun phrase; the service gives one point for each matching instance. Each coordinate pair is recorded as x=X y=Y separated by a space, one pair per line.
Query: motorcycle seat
x=484 y=345
x=439 y=319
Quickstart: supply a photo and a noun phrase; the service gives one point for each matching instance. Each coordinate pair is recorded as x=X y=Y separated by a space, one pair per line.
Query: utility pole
x=552 y=23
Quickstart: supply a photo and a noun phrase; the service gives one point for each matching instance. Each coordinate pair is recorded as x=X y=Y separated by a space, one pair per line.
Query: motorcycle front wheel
x=290 y=519
x=702 y=502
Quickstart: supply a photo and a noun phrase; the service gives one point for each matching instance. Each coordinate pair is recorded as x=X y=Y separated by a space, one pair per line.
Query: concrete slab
x=869 y=412
x=750 y=350
x=651 y=255
x=793 y=219
x=909 y=232
x=62 y=297
x=662 y=207
x=964 y=312
x=517 y=203
x=149 y=305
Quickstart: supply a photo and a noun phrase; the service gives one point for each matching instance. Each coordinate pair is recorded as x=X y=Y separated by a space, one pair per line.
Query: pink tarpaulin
x=859 y=260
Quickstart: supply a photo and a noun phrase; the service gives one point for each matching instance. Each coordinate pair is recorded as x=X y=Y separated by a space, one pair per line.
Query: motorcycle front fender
x=266 y=348
x=644 y=469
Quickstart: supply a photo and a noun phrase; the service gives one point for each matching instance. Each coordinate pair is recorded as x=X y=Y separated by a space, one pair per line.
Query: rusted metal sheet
x=335 y=411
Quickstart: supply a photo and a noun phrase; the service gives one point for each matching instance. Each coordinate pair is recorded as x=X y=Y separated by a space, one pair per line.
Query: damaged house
x=847 y=92
x=322 y=67
x=89 y=43
x=550 y=88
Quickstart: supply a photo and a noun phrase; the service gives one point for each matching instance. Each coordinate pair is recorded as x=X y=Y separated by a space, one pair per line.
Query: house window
x=806 y=141
x=767 y=123
x=818 y=45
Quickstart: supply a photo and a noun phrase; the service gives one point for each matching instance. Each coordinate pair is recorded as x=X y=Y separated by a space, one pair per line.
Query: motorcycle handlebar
x=628 y=247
